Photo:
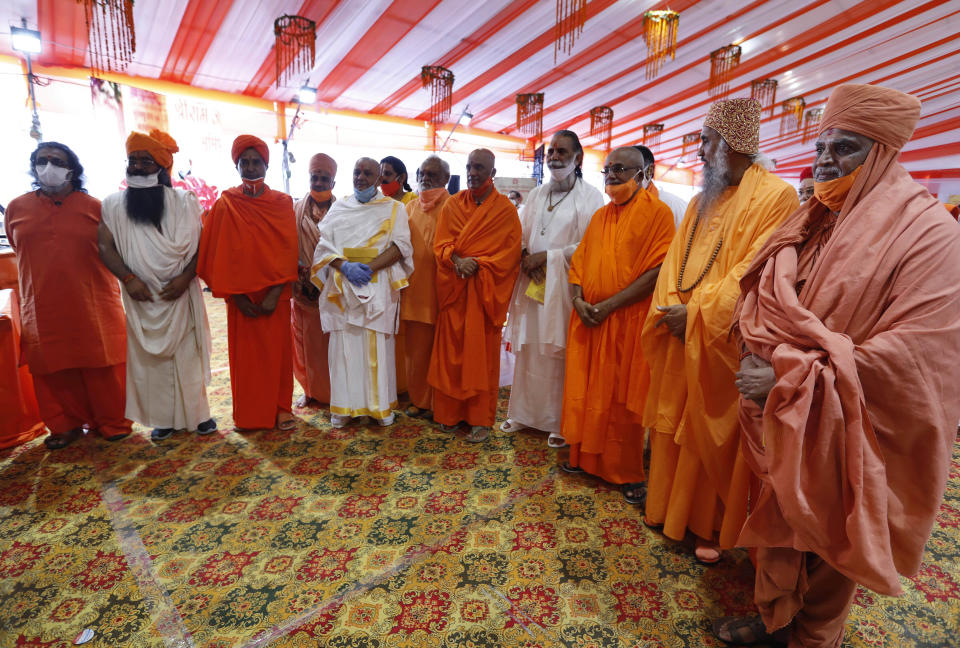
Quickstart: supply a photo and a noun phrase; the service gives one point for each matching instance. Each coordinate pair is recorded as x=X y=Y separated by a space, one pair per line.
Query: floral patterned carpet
x=370 y=537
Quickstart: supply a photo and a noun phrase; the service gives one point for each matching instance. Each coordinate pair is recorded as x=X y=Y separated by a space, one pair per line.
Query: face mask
x=482 y=189
x=253 y=187
x=52 y=177
x=430 y=197
x=143 y=181
x=562 y=173
x=833 y=193
x=321 y=196
x=365 y=195
x=645 y=181
x=621 y=193
x=390 y=188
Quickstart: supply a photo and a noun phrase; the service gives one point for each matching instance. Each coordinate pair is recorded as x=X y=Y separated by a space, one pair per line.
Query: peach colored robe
x=310 y=341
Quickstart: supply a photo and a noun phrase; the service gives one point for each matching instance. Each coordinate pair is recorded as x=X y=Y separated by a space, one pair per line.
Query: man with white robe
x=148 y=238
x=361 y=264
x=676 y=204
x=553 y=219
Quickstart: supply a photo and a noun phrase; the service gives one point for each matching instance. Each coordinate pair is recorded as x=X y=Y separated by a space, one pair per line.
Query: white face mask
x=52 y=177
x=562 y=173
x=143 y=182
x=644 y=180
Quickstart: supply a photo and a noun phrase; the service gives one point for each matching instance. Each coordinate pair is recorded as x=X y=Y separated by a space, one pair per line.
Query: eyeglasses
x=616 y=169
x=44 y=160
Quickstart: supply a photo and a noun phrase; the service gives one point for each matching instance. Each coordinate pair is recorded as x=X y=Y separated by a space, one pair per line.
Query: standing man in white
x=553 y=217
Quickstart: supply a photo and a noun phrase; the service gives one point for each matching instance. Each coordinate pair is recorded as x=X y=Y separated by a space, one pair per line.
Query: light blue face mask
x=365 y=195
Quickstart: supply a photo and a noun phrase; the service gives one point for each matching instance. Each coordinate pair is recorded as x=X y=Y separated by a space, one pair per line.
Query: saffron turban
x=884 y=115
x=244 y=142
x=806 y=174
x=323 y=162
x=738 y=122
x=158 y=144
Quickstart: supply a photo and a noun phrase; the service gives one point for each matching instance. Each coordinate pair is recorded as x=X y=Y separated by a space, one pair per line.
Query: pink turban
x=323 y=162
x=882 y=114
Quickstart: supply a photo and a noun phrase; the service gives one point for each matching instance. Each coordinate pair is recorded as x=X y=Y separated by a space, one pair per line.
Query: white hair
x=437 y=158
x=763 y=160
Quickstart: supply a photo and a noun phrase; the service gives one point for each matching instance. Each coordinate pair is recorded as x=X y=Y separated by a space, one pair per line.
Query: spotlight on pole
x=25 y=41
x=465 y=118
x=307 y=95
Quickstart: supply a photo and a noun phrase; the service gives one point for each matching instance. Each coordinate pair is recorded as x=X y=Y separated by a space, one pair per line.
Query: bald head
x=366 y=173
x=480 y=167
x=622 y=164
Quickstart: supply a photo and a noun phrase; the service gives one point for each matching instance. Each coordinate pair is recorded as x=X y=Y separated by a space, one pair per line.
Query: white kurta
x=538 y=332
x=362 y=320
x=168 y=342
x=676 y=204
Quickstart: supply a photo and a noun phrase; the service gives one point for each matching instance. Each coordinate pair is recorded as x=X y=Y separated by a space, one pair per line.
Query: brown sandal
x=748 y=631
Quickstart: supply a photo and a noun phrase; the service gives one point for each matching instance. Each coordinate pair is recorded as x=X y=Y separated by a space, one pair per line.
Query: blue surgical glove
x=356 y=273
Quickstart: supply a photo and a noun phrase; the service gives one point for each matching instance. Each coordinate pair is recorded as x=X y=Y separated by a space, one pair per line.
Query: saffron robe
x=465 y=367
x=362 y=320
x=621 y=243
x=73 y=335
x=168 y=342
x=310 y=341
x=248 y=245
x=537 y=331
x=418 y=308
x=698 y=478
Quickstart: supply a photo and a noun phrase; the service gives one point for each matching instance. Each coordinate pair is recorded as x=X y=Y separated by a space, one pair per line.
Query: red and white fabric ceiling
x=369 y=55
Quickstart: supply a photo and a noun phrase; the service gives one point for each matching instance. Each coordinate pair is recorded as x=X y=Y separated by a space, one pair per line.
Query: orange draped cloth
x=862 y=327
x=698 y=478
x=418 y=308
x=465 y=367
x=309 y=339
x=620 y=244
x=248 y=245
x=18 y=401
x=73 y=335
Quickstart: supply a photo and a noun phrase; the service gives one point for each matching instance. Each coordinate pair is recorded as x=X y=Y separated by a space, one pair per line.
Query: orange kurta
x=698 y=478
x=70 y=312
x=418 y=307
x=309 y=339
x=248 y=245
x=465 y=367
x=621 y=243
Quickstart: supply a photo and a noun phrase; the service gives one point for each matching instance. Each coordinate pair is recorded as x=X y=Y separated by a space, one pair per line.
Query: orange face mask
x=621 y=193
x=321 y=196
x=482 y=189
x=430 y=197
x=833 y=193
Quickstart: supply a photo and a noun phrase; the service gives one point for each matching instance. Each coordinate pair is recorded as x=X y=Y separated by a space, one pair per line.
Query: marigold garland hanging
x=810 y=123
x=295 y=48
x=691 y=142
x=722 y=63
x=791 y=119
x=112 y=37
x=530 y=114
x=660 y=35
x=764 y=91
x=601 y=124
x=440 y=81
x=571 y=15
x=651 y=135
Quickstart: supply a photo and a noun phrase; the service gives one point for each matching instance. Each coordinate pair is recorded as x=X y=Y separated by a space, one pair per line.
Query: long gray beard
x=716 y=178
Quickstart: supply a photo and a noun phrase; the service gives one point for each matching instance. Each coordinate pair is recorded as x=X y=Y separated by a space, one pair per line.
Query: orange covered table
x=19 y=418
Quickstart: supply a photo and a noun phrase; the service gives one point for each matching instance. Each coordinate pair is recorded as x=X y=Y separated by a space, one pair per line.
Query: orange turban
x=738 y=122
x=882 y=114
x=158 y=144
x=244 y=142
x=323 y=162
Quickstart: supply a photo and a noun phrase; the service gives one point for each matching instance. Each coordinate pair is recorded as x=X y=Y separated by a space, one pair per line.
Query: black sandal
x=634 y=493
x=568 y=468
x=748 y=631
x=61 y=441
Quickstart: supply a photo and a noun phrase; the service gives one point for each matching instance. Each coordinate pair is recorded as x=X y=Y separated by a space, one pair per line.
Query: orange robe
x=309 y=339
x=74 y=336
x=620 y=244
x=418 y=307
x=465 y=367
x=249 y=245
x=698 y=478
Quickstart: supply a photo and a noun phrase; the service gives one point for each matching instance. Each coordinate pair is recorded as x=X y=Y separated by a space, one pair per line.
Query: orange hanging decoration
x=722 y=63
x=660 y=35
x=113 y=40
x=601 y=124
x=571 y=15
x=691 y=142
x=530 y=114
x=791 y=119
x=440 y=81
x=651 y=135
x=764 y=91
x=296 y=39
x=810 y=122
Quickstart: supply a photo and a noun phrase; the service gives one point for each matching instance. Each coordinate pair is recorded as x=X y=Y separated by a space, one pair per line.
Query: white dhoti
x=362 y=377
x=536 y=398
